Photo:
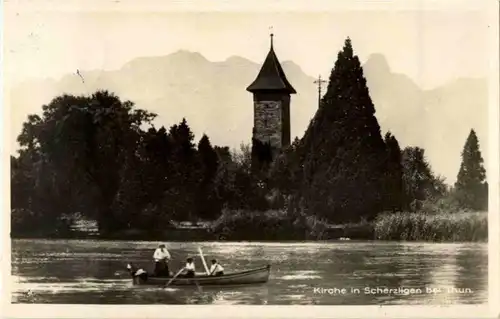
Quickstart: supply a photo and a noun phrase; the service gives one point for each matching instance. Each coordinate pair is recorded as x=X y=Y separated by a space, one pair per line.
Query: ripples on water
x=72 y=272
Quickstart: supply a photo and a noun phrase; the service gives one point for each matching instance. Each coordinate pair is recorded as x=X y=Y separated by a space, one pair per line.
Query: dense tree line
x=92 y=155
x=102 y=157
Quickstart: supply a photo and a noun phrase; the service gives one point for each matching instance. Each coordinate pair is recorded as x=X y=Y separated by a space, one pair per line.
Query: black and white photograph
x=167 y=153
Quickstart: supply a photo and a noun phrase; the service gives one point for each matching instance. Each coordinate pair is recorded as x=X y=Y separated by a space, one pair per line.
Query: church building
x=271 y=104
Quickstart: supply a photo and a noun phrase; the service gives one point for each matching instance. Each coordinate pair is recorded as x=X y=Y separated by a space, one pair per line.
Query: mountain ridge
x=186 y=84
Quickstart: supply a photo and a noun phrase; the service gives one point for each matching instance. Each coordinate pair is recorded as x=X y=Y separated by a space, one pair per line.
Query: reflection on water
x=337 y=273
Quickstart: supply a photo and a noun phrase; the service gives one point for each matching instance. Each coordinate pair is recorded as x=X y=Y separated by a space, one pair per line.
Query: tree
x=394 y=174
x=32 y=198
x=282 y=173
x=471 y=183
x=144 y=181
x=156 y=152
x=132 y=195
x=22 y=181
x=235 y=184
x=262 y=156
x=223 y=154
x=184 y=174
x=183 y=141
x=82 y=144
x=209 y=159
x=208 y=207
x=418 y=179
x=342 y=154
x=283 y=176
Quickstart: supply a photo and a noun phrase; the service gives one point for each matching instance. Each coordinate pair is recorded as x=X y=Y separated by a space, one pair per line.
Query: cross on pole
x=319 y=82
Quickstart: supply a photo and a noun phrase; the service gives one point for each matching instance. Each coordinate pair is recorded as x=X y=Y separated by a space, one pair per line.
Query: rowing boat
x=254 y=276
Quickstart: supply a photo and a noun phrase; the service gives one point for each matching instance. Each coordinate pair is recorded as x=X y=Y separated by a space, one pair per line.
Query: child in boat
x=134 y=272
x=216 y=269
x=189 y=269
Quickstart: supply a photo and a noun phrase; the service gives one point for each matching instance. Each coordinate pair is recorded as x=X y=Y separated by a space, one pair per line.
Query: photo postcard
x=243 y=159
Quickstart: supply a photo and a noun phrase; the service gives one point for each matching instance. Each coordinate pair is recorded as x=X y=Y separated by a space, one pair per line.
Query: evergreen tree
x=183 y=141
x=209 y=158
x=145 y=179
x=471 y=180
x=208 y=207
x=342 y=153
x=185 y=173
x=394 y=174
x=156 y=153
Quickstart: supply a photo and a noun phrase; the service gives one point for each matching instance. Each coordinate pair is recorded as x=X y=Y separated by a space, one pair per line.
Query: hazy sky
x=432 y=46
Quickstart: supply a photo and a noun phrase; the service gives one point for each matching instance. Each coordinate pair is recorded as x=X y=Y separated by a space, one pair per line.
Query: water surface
x=326 y=273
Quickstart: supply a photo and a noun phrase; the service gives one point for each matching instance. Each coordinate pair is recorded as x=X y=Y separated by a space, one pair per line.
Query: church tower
x=271 y=104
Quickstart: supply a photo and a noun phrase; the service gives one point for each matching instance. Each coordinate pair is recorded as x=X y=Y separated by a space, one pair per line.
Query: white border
x=494 y=161
x=251 y=5
x=206 y=311
x=240 y=312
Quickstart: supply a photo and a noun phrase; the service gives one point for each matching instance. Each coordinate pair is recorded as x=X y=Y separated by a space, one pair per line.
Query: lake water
x=93 y=272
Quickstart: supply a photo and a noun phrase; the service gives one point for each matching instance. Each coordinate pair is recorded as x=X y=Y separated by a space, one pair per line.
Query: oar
x=177 y=274
x=203 y=260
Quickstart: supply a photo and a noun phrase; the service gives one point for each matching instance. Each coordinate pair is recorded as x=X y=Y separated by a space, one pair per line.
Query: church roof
x=271 y=76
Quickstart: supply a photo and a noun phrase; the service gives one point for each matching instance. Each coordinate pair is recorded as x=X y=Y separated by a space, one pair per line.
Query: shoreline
x=181 y=236
x=286 y=241
x=466 y=227
x=207 y=238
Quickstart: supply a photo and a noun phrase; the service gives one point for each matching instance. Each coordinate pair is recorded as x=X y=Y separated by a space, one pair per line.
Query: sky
x=431 y=42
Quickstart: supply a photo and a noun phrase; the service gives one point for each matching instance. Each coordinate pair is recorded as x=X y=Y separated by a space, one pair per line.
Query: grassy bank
x=438 y=227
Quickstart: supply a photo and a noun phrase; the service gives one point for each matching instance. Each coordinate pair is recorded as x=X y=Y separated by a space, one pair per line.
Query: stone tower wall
x=268 y=125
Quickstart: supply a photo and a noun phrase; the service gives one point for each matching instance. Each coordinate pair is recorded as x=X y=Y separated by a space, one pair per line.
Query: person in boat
x=135 y=272
x=161 y=257
x=216 y=269
x=189 y=270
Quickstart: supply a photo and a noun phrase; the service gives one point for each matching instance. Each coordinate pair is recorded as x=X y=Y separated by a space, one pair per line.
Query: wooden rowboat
x=248 y=277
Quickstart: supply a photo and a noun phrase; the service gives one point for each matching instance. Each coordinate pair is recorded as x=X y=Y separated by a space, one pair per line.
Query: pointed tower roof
x=271 y=76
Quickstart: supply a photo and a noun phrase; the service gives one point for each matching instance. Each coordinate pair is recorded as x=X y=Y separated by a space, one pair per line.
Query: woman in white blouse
x=189 y=269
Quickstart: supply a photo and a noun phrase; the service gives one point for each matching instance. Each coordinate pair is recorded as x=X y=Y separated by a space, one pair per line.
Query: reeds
x=461 y=226
x=440 y=227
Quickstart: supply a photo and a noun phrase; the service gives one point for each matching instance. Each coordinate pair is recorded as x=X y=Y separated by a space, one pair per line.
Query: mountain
x=439 y=120
x=212 y=97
